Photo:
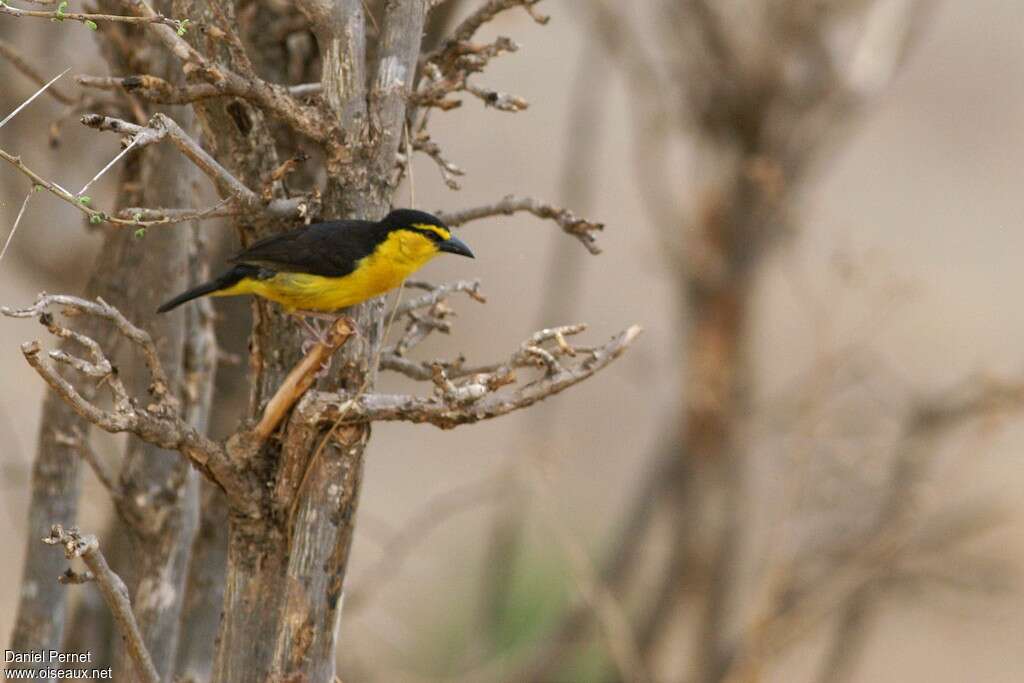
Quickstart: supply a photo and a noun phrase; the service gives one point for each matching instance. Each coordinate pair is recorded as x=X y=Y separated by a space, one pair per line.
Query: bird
x=327 y=266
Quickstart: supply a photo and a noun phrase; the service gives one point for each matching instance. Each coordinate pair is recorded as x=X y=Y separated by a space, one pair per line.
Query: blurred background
x=862 y=519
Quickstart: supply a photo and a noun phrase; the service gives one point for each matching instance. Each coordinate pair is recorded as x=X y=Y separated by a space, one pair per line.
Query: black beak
x=453 y=245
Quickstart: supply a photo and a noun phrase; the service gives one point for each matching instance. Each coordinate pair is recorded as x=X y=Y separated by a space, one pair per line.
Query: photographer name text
x=46 y=657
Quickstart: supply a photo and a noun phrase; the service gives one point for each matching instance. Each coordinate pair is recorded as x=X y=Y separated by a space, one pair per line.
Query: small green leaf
x=91 y=24
x=140 y=233
x=59 y=14
x=182 y=27
x=95 y=219
x=137 y=218
x=35 y=188
x=84 y=200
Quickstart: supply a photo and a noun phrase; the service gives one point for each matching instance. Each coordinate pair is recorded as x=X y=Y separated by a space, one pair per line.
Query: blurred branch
x=468 y=27
x=598 y=595
x=400 y=546
x=570 y=223
x=87 y=548
x=8 y=52
x=422 y=143
x=863 y=564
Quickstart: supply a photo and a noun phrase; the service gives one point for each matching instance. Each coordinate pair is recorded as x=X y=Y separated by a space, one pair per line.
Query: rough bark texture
x=288 y=487
x=41 y=607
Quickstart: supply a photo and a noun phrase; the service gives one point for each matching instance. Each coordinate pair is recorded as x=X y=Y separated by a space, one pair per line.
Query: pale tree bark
x=290 y=483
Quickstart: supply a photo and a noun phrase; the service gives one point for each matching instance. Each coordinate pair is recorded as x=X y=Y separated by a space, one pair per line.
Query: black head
x=429 y=226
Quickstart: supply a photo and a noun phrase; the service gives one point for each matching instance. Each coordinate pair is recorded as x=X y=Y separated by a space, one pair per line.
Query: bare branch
x=434 y=318
x=161 y=126
x=478 y=397
x=275 y=99
x=301 y=378
x=483 y=14
x=449 y=73
x=87 y=548
x=91 y=20
x=570 y=223
x=157 y=423
x=423 y=143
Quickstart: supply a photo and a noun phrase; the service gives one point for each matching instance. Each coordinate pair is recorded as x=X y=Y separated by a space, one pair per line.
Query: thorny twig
x=115 y=594
x=90 y=20
x=160 y=126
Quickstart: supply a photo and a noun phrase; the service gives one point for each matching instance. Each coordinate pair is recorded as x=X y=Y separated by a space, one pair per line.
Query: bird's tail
x=225 y=281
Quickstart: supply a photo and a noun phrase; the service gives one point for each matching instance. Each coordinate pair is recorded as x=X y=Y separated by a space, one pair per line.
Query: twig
x=440 y=293
x=161 y=126
x=570 y=223
x=483 y=14
x=91 y=20
x=114 y=592
x=301 y=378
x=110 y=164
x=483 y=390
x=309 y=121
x=36 y=94
x=95 y=216
x=423 y=143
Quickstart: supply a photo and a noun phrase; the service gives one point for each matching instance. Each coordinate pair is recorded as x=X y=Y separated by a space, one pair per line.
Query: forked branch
x=158 y=422
x=115 y=594
x=478 y=397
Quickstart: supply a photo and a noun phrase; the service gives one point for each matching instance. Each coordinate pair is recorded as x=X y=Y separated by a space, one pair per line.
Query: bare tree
x=289 y=476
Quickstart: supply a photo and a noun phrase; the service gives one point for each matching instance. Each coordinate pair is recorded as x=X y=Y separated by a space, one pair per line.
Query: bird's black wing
x=328 y=249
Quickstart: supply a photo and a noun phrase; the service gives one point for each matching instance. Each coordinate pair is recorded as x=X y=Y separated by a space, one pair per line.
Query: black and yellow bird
x=327 y=266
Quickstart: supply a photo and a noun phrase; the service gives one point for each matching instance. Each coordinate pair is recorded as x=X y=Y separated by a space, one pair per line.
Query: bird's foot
x=317 y=333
